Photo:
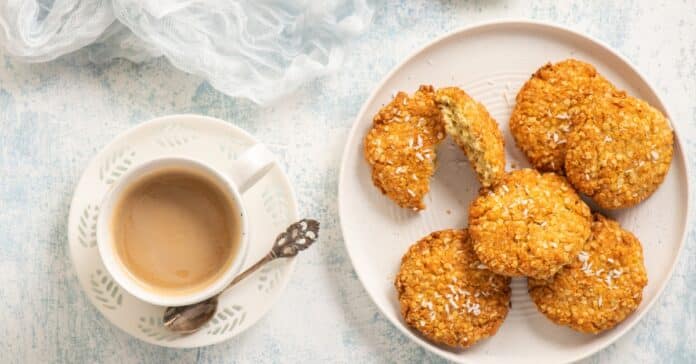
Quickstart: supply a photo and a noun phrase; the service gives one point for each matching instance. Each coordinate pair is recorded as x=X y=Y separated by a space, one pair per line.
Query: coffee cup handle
x=251 y=166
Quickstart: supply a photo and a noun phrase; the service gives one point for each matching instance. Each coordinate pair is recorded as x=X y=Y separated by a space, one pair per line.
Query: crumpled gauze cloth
x=257 y=49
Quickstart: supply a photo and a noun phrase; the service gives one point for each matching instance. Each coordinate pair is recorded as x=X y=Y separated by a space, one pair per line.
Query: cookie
x=447 y=294
x=549 y=106
x=601 y=287
x=621 y=153
x=530 y=224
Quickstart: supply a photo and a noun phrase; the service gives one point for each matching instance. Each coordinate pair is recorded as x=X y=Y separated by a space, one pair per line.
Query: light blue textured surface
x=54 y=117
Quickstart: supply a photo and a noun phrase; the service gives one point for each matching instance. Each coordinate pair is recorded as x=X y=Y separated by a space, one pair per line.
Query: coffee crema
x=175 y=231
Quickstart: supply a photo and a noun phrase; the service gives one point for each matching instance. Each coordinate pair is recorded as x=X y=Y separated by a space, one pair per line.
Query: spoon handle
x=252 y=269
x=298 y=236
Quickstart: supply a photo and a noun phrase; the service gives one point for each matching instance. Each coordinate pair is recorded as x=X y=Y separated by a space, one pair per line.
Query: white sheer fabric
x=258 y=49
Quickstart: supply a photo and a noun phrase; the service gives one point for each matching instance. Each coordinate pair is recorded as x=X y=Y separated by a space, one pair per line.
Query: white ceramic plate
x=270 y=204
x=491 y=61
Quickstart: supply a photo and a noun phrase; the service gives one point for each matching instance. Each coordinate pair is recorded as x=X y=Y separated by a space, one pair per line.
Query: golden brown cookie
x=475 y=131
x=601 y=287
x=530 y=224
x=447 y=294
x=400 y=147
x=621 y=153
x=548 y=107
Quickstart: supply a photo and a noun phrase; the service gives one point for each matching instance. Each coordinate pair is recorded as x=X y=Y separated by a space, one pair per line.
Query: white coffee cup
x=243 y=173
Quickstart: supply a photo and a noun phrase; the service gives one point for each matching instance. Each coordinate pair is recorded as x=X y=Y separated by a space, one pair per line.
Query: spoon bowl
x=189 y=319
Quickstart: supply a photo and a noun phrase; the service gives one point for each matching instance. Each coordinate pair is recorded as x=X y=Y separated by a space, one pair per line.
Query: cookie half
x=400 y=147
x=471 y=126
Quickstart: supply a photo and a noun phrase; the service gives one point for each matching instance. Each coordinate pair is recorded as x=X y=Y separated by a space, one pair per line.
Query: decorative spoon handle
x=267 y=258
x=298 y=236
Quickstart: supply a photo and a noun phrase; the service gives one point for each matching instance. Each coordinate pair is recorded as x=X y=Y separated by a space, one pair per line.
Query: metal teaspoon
x=189 y=319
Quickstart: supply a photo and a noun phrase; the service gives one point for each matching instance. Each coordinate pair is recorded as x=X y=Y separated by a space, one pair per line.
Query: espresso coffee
x=175 y=231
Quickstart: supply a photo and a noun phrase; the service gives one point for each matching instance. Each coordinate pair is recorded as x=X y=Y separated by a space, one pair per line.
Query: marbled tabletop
x=54 y=117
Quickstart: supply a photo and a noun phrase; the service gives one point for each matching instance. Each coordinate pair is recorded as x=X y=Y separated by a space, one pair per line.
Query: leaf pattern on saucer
x=230 y=153
x=105 y=290
x=153 y=328
x=276 y=205
x=87 y=227
x=231 y=149
x=175 y=135
x=226 y=320
x=116 y=165
x=268 y=277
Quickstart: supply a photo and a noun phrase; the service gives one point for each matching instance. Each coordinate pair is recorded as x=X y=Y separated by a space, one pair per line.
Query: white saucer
x=271 y=205
x=491 y=61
